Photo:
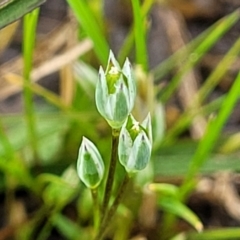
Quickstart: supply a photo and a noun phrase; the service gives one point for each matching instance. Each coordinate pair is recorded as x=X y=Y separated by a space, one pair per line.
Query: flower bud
x=135 y=144
x=115 y=92
x=90 y=166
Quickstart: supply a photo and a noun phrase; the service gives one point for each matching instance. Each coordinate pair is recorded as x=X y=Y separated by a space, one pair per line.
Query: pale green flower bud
x=90 y=166
x=115 y=92
x=135 y=144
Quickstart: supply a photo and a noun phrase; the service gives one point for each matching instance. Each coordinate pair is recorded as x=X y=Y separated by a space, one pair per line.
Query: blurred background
x=65 y=69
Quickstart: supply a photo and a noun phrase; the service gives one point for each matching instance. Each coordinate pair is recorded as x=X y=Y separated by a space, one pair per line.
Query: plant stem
x=109 y=215
x=30 y=24
x=111 y=170
x=140 y=35
x=96 y=209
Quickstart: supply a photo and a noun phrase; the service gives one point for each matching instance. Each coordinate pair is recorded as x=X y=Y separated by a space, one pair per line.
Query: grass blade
x=87 y=20
x=129 y=40
x=218 y=234
x=12 y=10
x=177 y=208
x=219 y=72
x=195 y=51
x=205 y=90
x=199 y=52
x=29 y=24
x=205 y=146
x=140 y=35
x=212 y=133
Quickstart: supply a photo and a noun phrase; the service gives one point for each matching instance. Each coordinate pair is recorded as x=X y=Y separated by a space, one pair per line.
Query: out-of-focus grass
x=90 y=25
x=29 y=35
x=54 y=131
x=140 y=35
x=11 y=10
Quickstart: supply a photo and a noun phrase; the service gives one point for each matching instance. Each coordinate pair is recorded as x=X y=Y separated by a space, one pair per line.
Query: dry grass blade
x=50 y=66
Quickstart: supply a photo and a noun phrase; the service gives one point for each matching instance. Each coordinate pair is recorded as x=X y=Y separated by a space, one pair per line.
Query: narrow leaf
x=174 y=206
x=11 y=10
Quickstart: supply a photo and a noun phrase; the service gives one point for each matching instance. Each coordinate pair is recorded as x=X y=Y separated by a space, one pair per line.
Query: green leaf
x=68 y=228
x=217 y=234
x=140 y=35
x=174 y=206
x=11 y=10
x=165 y=189
x=60 y=190
x=207 y=87
x=212 y=133
x=197 y=48
x=89 y=23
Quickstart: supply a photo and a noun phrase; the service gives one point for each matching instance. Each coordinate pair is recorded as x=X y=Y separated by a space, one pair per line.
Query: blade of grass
x=126 y=47
x=29 y=32
x=12 y=10
x=176 y=207
x=40 y=91
x=204 y=148
x=68 y=228
x=129 y=40
x=212 y=133
x=213 y=79
x=140 y=35
x=219 y=72
x=217 y=234
x=198 y=53
x=222 y=26
x=172 y=161
x=88 y=21
x=186 y=119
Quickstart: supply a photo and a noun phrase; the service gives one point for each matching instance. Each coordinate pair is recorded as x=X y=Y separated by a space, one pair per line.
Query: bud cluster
x=115 y=96
x=115 y=92
x=135 y=144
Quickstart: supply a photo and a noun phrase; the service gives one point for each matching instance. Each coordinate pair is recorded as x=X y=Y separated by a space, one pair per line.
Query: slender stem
x=113 y=209
x=30 y=24
x=111 y=170
x=96 y=209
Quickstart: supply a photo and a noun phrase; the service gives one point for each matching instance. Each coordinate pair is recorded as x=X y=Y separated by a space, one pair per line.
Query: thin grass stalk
x=47 y=95
x=225 y=23
x=186 y=119
x=213 y=131
x=198 y=54
x=205 y=147
x=221 y=69
x=140 y=35
x=205 y=90
x=88 y=21
x=216 y=234
x=29 y=34
x=11 y=10
x=129 y=40
x=126 y=47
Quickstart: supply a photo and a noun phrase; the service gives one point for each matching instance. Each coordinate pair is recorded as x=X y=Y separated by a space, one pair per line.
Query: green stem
x=30 y=23
x=111 y=171
x=96 y=209
x=109 y=215
x=140 y=35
